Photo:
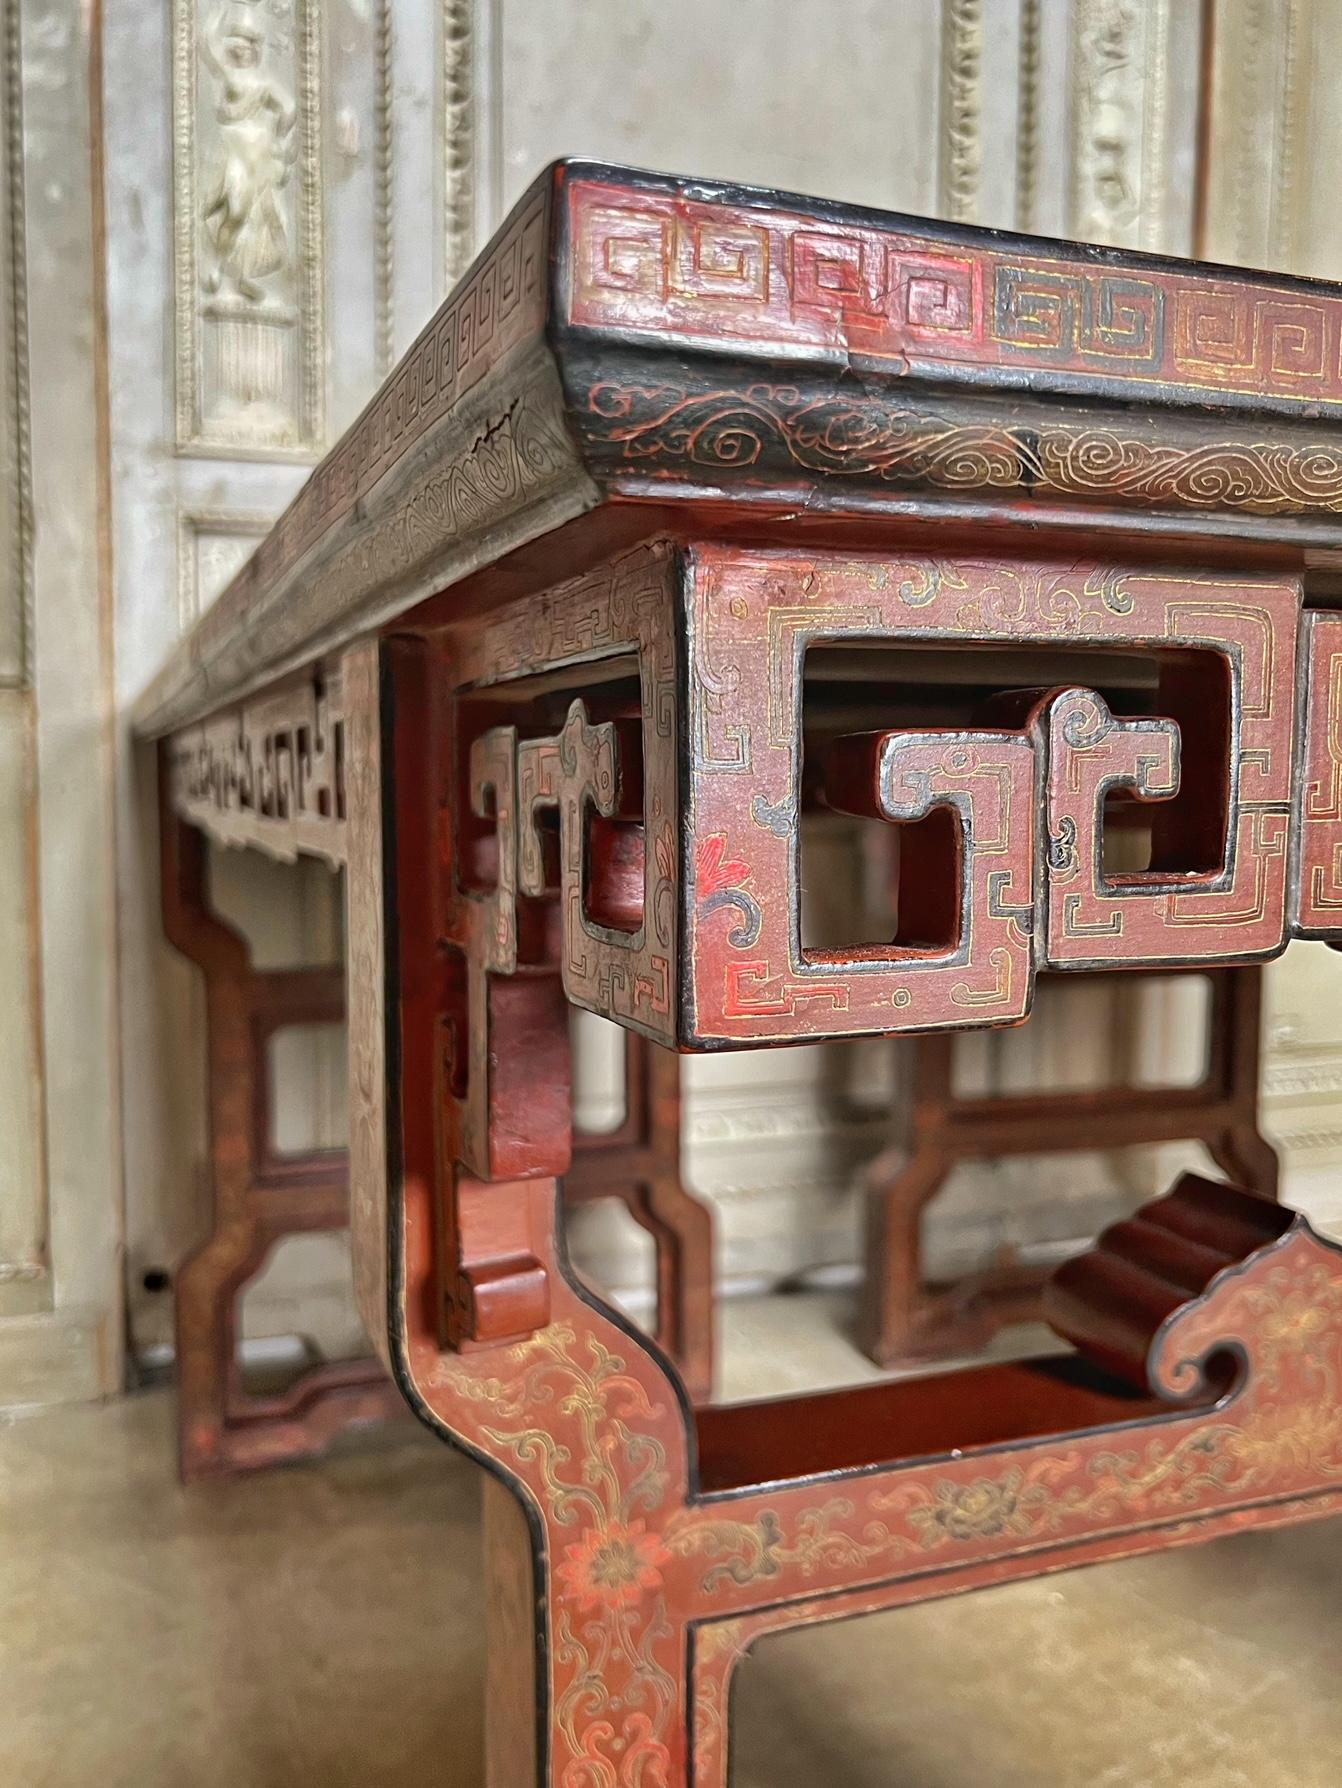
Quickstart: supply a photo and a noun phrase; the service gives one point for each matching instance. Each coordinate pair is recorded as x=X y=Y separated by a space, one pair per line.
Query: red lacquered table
x=692 y=509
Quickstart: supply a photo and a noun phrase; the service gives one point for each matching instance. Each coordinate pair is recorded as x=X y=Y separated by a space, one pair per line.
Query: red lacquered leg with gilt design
x=637 y=1548
x=690 y=512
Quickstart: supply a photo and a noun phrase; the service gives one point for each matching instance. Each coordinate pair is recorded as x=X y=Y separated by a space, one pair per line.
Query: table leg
x=256 y=1197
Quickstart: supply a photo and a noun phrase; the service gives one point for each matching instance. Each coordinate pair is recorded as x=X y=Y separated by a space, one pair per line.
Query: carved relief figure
x=1118 y=87
x=244 y=214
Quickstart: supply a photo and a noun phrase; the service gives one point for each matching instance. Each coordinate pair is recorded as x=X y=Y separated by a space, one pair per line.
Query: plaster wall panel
x=24 y=1269
x=60 y=1323
x=240 y=344
x=838 y=99
x=24 y=1275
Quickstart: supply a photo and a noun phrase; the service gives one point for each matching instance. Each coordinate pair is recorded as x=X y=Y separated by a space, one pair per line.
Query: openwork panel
x=561 y=864
x=270 y=773
x=1025 y=882
x=1317 y=893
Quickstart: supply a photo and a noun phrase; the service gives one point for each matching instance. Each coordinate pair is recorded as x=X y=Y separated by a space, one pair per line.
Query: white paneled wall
x=60 y=1116
x=401 y=130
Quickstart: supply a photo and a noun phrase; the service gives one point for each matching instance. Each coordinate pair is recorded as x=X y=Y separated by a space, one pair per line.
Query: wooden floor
x=320 y=1625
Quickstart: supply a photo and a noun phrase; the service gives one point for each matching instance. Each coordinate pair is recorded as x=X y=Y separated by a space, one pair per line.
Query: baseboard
x=60 y=1356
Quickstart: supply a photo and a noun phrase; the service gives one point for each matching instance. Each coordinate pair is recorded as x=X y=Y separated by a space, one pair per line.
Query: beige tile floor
x=320 y=1625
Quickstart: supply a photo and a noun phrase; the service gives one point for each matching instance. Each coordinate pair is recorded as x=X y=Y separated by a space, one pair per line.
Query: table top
x=641 y=339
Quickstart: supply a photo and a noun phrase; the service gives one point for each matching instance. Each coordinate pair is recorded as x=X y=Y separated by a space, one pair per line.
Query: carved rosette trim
x=1258 y=114
x=1284 y=196
x=459 y=147
x=312 y=256
x=16 y=630
x=1027 y=115
x=961 y=103
x=384 y=191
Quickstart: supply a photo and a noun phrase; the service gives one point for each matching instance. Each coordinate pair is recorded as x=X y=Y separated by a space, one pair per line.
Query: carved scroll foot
x=1122 y=1301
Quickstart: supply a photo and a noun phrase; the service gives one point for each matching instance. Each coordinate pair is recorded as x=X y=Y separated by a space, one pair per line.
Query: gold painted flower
x=613 y=1564
x=1295 y=1323
x=975 y=1511
x=1300 y=1437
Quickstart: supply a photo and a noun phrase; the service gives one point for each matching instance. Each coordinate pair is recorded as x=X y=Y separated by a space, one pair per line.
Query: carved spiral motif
x=1088 y=723
x=1062 y=856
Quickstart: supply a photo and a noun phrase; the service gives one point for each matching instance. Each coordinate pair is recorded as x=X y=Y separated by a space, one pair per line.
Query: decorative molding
x=1119 y=121
x=63 y=1356
x=459 y=137
x=1302 y=1091
x=1302 y=1077
x=500 y=307
x=1155 y=125
x=212 y=544
x=1027 y=114
x=26 y=1284
x=961 y=133
x=1284 y=193
x=21 y=1271
x=250 y=328
x=1250 y=65
x=384 y=171
x=884 y=442
x=16 y=531
x=1259 y=93
x=1311 y=1140
x=493 y=473
x=1288 y=1077
x=65 y=1202
x=798 y=1114
x=660 y=262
